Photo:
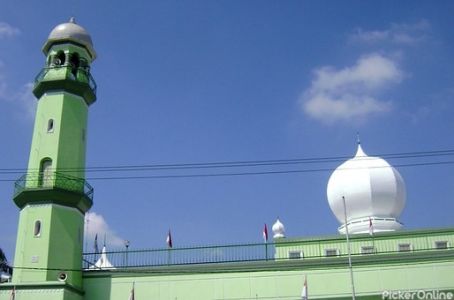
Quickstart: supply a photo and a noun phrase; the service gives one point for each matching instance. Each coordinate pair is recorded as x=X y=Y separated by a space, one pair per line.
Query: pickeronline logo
x=419 y=294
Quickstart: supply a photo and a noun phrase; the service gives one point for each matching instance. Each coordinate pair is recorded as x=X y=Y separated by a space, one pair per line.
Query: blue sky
x=210 y=81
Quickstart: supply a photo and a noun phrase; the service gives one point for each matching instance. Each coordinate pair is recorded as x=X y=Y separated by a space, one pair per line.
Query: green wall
x=58 y=247
x=385 y=242
x=281 y=284
x=41 y=291
x=66 y=143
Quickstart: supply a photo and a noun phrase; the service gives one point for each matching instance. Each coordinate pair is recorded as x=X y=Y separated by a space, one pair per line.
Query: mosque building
x=372 y=257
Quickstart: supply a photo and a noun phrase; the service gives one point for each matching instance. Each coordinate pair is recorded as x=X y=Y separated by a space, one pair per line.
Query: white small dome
x=278 y=229
x=73 y=32
x=372 y=188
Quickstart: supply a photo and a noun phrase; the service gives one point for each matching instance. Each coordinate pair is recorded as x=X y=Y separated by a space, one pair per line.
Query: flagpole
x=265 y=239
x=304 y=293
x=266 y=250
x=13 y=293
x=373 y=244
x=132 y=294
x=349 y=250
x=372 y=234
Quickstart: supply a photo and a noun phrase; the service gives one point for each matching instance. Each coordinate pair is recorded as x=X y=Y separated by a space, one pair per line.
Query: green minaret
x=53 y=196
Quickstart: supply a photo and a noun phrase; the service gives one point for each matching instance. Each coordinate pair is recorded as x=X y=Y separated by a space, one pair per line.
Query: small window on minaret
x=37 y=231
x=50 y=125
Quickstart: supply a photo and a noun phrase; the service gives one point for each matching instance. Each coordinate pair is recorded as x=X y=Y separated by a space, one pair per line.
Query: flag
x=371 y=227
x=265 y=234
x=169 y=240
x=2 y=256
x=304 y=292
x=131 y=296
x=96 y=244
x=13 y=293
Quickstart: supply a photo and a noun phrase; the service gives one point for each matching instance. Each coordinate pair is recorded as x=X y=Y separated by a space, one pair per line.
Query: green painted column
x=53 y=196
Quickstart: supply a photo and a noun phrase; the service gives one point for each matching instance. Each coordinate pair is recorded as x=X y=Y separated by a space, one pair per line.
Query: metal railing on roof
x=232 y=254
x=184 y=256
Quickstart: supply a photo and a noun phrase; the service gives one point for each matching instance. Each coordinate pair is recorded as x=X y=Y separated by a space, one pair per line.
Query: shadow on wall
x=98 y=288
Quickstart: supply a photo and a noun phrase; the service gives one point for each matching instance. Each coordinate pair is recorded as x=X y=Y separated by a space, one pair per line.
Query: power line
x=237 y=164
x=247 y=173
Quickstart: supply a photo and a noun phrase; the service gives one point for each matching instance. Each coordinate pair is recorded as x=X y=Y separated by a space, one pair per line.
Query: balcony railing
x=53 y=180
x=82 y=75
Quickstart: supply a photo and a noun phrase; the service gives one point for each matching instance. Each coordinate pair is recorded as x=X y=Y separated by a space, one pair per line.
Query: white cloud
x=371 y=71
x=7 y=30
x=330 y=109
x=397 y=33
x=26 y=101
x=23 y=99
x=95 y=224
x=351 y=92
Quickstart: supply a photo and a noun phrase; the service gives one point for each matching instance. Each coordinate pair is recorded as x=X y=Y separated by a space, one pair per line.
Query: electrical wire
x=230 y=164
x=247 y=173
x=250 y=165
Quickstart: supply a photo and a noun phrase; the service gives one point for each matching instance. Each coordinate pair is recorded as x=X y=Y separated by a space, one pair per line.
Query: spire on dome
x=359 y=152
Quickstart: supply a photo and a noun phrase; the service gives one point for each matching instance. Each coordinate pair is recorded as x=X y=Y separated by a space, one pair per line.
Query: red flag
x=169 y=240
x=265 y=234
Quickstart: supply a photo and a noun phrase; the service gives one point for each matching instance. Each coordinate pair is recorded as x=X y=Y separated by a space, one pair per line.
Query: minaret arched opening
x=74 y=61
x=45 y=172
x=60 y=58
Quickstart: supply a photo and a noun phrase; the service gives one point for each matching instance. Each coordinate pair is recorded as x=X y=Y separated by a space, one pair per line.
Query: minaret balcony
x=53 y=187
x=68 y=78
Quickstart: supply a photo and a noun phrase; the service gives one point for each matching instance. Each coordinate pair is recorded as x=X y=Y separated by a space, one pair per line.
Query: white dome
x=73 y=32
x=372 y=188
x=278 y=230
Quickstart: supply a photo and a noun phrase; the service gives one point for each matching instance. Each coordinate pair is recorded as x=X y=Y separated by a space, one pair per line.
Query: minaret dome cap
x=70 y=32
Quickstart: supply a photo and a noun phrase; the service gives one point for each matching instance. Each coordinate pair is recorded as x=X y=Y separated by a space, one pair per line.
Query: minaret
x=53 y=196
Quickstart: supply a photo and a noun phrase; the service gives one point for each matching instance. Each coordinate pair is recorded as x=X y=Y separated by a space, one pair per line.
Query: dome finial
x=359 y=151
x=72 y=20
